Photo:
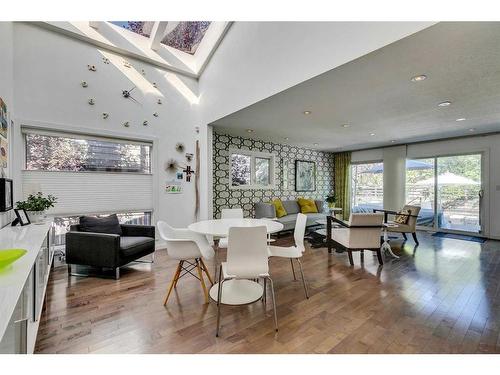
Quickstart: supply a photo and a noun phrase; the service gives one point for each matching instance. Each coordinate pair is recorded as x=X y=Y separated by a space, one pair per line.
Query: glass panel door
x=367 y=187
x=459 y=192
x=420 y=189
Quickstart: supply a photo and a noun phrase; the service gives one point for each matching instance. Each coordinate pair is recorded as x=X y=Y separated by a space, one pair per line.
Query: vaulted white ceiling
x=377 y=101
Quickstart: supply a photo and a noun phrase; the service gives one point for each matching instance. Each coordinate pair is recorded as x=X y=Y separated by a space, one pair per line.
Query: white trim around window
x=253 y=156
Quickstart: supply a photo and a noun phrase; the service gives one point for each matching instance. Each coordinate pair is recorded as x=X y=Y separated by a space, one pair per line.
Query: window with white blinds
x=88 y=174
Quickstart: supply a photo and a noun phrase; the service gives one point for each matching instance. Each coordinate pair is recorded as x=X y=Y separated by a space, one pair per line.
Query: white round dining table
x=220 y=227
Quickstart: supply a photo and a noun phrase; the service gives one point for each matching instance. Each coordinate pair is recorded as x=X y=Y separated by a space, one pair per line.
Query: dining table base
x=237 y=292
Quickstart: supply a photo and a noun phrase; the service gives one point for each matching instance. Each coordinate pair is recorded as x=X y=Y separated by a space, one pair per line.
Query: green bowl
x=9 y=256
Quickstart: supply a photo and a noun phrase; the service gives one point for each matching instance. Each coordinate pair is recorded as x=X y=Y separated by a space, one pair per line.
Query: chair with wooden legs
x=294 y=252
x=189 y=249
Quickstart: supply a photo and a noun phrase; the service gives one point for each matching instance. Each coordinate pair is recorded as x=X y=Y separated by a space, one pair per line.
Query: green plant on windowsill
x=37 y=202
x=330 y=200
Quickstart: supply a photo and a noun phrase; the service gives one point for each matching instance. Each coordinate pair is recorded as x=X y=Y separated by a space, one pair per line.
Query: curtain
x=342 y=178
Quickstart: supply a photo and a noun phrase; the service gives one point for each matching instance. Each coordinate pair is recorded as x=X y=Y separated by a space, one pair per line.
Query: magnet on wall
x=126 y=124
x=105 y=115
x=145 y=123
x=85 y=84
x=91 y=101
x=155 y=114
x=92 y=68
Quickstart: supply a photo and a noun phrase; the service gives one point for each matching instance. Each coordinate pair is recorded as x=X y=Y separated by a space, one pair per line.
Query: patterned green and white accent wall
x=285 y=156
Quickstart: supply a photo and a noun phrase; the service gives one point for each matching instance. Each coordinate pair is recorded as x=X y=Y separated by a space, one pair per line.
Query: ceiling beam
x=94 y=24
x=157 y=33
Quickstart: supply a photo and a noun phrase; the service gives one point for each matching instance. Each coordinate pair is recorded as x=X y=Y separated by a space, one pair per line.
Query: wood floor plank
x=440 y=297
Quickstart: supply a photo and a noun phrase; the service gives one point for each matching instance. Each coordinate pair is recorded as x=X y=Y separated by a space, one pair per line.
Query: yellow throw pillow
x=280 y=209
x=307 y=206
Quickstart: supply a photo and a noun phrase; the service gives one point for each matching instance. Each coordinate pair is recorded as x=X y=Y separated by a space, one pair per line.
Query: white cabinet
x=22 y=304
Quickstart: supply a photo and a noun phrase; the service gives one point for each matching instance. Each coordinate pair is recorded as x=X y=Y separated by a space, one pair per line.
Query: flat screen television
x=6 y=196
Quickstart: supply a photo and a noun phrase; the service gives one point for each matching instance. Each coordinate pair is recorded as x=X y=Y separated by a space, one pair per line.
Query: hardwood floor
x=440 y=297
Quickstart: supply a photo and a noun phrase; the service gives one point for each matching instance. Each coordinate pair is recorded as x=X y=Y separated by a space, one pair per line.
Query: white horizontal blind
x=92 y=192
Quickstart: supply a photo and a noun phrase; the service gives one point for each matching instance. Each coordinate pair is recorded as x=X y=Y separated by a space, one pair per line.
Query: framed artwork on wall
x=6 y=197
x=305 y=175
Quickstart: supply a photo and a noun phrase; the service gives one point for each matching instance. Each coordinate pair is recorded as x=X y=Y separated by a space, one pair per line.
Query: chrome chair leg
x=117 y=273
x=303 y=279
x=293 y=270
x=274 y=304
x=219 y=296
x=264 y=294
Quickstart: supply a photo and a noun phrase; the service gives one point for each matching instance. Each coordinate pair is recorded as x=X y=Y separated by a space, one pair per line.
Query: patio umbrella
x=410 y=165
x=448 y=178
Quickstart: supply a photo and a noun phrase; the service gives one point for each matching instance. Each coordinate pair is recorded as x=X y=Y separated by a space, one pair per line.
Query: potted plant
x=36 y=206
x=330 y=199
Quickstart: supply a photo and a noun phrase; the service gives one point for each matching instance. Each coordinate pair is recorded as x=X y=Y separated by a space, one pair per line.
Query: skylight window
x=139 y=27
x=186 y=36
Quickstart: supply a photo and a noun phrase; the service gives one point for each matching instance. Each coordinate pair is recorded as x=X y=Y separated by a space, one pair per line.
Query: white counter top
x=13 y=277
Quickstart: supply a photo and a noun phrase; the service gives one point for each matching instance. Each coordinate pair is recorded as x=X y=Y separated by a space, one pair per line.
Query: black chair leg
x=415 y=238
x=379 y=256
x=404 y=236
x=351 y=261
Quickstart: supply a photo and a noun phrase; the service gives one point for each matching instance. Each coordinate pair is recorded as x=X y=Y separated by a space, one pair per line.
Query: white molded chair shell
x=232 y=213
x=184 y=244
x=229 y=213
x=298 y=235
x=247 y=253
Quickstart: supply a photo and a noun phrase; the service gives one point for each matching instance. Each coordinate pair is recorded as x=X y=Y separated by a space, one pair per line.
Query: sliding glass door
x=367 y=186
x=459 y=192
x=420 y=189
x=449 y=191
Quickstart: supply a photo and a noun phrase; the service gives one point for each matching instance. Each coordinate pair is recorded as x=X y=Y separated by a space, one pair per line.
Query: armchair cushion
x=108 y=224
x=130 y=246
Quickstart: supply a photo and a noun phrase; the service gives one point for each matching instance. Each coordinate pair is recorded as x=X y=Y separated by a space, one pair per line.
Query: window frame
x=253 y=155
x=25 y=131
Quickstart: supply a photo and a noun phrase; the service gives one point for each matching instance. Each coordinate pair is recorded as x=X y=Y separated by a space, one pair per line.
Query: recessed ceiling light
x=372 y=134
x=286 y=138
x=345 y=125
x=444 y=104
x=461 y=119
x=307 y=112
x=393 y=140
x=316 y=144
x=471 y=129
x=419 y=78
x=249 y=130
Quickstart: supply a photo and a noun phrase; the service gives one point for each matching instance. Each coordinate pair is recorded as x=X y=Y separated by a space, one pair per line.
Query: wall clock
x=126 y=94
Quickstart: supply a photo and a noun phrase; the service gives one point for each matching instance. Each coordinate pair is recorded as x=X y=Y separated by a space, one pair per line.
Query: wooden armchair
x=408 y=227
x=361 y=232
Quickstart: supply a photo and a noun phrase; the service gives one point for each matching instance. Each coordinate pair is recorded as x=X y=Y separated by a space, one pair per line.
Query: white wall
x=258 y=59
x=488 y=145
x=49 y=68
x=6 y=92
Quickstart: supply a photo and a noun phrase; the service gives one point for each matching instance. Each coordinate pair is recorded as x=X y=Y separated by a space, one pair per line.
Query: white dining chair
x=247 y=259
x=294 y=252
x=189 y=249
x=229 y=213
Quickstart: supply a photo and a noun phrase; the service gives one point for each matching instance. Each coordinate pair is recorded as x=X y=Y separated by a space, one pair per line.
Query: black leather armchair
x=112 y=251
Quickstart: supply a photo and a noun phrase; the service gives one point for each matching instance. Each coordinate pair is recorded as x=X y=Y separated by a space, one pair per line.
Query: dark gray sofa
x=267 y=210
x=103 y=250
